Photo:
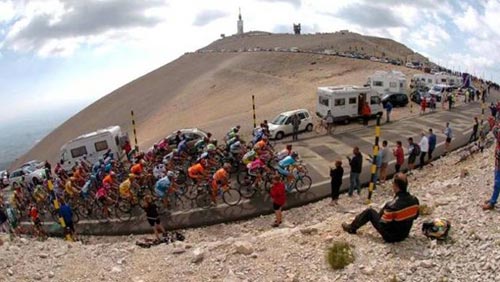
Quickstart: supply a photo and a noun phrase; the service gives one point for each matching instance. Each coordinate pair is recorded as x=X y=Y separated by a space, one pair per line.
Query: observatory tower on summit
x=240 y=24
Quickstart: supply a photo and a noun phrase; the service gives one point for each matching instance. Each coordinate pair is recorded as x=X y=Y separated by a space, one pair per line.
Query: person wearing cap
x=164 y=186
x=125 y=188
x=396 y=218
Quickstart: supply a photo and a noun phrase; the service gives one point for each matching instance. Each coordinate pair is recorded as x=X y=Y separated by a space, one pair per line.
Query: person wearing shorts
x=153 y=216
x=278 y=196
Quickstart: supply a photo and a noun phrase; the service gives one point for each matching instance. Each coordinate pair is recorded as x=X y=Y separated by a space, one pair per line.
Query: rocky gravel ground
x=254 y=251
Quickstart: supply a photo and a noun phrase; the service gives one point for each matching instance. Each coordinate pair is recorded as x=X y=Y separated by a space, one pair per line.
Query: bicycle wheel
x=121 y=213
x=247 y=191
x=231 y=197
x=303 y=183
x=203 y=199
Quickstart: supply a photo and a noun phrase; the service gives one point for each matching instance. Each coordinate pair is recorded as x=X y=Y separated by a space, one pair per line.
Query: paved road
x=318 y=152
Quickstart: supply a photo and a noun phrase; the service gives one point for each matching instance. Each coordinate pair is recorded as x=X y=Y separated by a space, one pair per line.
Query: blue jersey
x=66 y=213
x=182 y=146
x=287 y=161
x=163 y=184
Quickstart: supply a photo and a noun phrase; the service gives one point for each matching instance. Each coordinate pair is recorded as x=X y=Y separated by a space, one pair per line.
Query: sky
x=57 y=54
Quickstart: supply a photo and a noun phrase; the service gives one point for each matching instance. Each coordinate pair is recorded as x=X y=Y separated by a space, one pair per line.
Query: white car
x=29 y=174
x=281 y=125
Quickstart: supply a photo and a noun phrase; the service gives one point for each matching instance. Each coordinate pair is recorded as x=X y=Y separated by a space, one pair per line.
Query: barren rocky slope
x=253 y=251
x=213 y=91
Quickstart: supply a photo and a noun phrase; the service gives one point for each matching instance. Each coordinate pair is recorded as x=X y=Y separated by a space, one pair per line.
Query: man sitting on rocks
x=395 y=220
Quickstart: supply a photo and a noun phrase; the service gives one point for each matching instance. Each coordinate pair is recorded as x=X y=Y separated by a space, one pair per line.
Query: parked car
x=417 y=96
x=34 y=164
x=396 y=99
x=281 y=125
x=438 y=90
x=189 y=133
x=30 y=175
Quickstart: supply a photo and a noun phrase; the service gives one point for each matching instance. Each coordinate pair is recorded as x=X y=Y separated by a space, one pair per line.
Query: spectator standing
x=295 y=121
x=475 y=128
x=398 y=153
x=493 y=109
x=336 y=175
x=432 y=143
x=449 y=135
x=384 y=159
x=356 y=164
x=423 y=106
x=66 y=213
x=366 y=112
x=490 y=204
x=278 y=196
x=424 y=149
x=413 y=152
x=48 y=169
x=4 y=226
x=388 y=110
x=395 y=220
x=153 y=216
x=329 y=121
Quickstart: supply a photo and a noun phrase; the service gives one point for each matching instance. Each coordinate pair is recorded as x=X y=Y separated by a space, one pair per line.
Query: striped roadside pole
x=254 y=117
x=373 y=168
x=56 y=204
x=135 y=132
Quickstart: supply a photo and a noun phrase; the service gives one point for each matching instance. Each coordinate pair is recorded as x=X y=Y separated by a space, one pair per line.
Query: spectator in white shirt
x=424 y=148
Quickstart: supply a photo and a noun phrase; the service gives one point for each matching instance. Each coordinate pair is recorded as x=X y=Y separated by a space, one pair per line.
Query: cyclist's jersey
x=256 y=164
x=96 y=167
x=286 y=162
x=248 y=157
x=108 y=167
x=182 y=147
x=231 y=141
x=200 y=144
x=34 y=214
x=38 y=193
x=108 y=180
x=221 y=176
x=195 y=170
x=68 y=188
x=260 y=145
x=163 y=184
x=136 y=169
x=159 y=171
x=283 y=154
x=125 y=188
x=102 y=192
x=235 y=147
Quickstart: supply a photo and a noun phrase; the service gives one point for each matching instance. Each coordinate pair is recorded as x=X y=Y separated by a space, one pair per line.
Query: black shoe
x=347 y=228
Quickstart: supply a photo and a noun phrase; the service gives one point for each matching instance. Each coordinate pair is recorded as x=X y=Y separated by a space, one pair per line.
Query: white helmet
x=170 y=173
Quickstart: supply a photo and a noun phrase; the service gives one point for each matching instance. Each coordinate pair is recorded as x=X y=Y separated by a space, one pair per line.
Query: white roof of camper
x=343 y=89
x=112 y=129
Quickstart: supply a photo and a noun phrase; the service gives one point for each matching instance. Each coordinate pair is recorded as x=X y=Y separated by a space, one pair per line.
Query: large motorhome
x=388 y=82
x=345 y=101
x=93 y=145
x=430 y=80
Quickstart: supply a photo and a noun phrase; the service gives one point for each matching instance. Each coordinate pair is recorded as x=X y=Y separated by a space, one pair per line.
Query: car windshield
x=436 y=88
x=279 y=120
x=28 y=169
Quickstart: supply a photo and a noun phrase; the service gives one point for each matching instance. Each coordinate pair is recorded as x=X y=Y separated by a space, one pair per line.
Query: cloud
x=295 y=3
x=369 y=15
x=207 y=16
x=77 y=21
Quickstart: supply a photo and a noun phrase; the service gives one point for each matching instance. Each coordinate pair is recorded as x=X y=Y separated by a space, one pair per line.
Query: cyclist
x=137 y=169
x=197 y=172
x=232 y=132
x=70 y=188
x=220 y=180
x=159 y=171
x=248 y=157
x=102 y=197
x=125 y=188
x=285 y=164
x=110 y=179
x=182 y=148
x=164 y=186
x=285 y=152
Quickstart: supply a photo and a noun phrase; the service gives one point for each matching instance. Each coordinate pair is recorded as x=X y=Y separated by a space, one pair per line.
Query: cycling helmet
x=211 y=147
x=436 y=229
x=170 y=173
x=112 y=173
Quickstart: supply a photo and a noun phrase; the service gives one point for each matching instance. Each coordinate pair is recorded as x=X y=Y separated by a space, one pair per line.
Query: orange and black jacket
x=396 y=218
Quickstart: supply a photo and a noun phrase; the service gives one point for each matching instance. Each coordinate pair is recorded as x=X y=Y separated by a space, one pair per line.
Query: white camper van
x=93 y=145
x=345 y=101
x=387 y=82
